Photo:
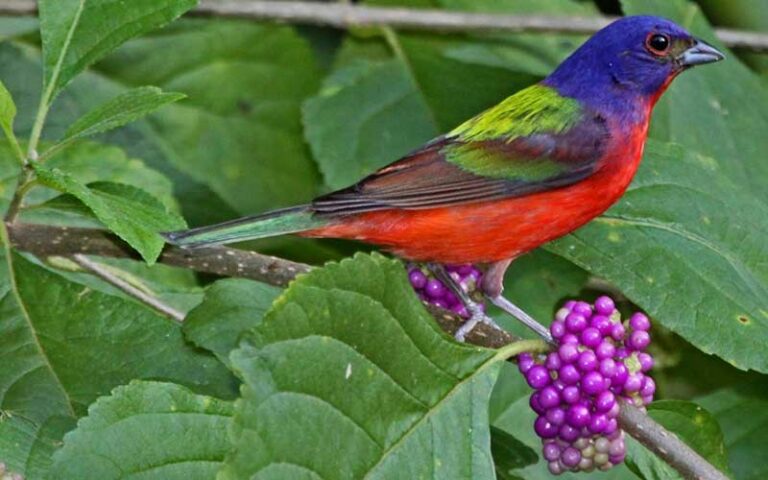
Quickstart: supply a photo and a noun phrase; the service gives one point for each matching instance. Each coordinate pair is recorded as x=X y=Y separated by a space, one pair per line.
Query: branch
x=105 y=274
x=341 y=15
x=46 y=240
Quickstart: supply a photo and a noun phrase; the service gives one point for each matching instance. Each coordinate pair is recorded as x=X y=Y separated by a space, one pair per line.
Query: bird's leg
x=493 y=286
x=477 y=315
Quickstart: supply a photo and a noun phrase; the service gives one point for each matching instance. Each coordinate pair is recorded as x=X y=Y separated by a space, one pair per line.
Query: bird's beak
x=700 y=53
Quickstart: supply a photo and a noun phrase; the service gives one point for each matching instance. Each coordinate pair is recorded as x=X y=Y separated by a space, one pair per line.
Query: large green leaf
x=62 y=345
x=187 y=433
x=134 y=215
x=7 y=116
x=688 y=246
x=76 y=33
x=743 y=415
x=694 y=425
x=239 y=132
x=349 y=361
x=231 y=307
x=705 y=108
x=365 y=116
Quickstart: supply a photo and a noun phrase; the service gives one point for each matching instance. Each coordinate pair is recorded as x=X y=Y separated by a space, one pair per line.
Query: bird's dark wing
x=462 y=168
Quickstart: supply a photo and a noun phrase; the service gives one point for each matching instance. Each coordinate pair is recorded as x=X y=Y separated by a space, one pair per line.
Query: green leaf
x=694 y=425
x=62 y=345
x=121 y=110
x=342 y=342
x=7 y=116
x=231 y=307
x=239 y=133
x=134 y=215
x=687 y=246
x=365 y=115
x=705 y=108
x=77 y=33
x=188 y=436
x=742 y=412
x=509 y=454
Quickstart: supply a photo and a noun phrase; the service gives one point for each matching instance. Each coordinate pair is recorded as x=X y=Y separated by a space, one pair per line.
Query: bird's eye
x=657 y=43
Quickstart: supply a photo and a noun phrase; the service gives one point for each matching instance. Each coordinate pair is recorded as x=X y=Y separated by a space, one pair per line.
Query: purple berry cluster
x=598 y=360
x=431 y=290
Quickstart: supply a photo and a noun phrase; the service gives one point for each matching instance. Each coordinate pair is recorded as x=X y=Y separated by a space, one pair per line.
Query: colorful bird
x=533 y=168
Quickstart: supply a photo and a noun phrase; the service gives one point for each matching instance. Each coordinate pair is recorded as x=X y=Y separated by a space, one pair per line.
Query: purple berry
x=569 y=374
x=525 y=362
x=435 y=289
x=535 y=405
x=621 y=375
x=571 y=394
x=648 y=387
x=605 y=401
x=611 y=426
x=460 y=310
x=417 y=278
x=645 y=360
x=569 y=338
x=553 y=361
x=583 y=308
x=538 y=377
x=575 y=322
x=647 y=399
x=605 y=350
x=439 y=303
x=622 y=353
x=561 y=314
x=577 y=416
x=568 y=352
x=604 y=305
x=607 y=367
x=617 y=448
x=634 y=382
x=570 y=457
x=568 y=434
x=602 y=323
x=639 y=321
x=618 y=332
x=591 y=337
x=598 y=423
x=587 y=361
x=465 y=269
x=544 y=429
x=551 y=452
x=557 y=329
x=556 y=416
x=592 y=383
x=614 y=411
x=639 y=340
x=548 y=397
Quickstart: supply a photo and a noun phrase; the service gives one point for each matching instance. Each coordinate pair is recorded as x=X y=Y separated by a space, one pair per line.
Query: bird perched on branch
x=533 y=168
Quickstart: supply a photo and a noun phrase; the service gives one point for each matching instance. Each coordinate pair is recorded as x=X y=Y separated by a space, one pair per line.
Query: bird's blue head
x=632 y=59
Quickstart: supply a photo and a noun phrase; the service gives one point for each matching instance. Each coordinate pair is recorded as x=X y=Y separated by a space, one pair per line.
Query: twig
x=45 y=240
x=666 y=445
x=126 y=287
x=344 y=15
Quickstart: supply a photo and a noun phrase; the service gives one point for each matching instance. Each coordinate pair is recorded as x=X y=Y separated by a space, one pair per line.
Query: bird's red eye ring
x=658 y=43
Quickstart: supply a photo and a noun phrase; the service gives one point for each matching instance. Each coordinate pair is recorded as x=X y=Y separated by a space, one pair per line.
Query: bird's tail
x=270 y=224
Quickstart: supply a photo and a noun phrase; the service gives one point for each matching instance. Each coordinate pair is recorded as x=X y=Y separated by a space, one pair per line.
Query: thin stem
x=25 y=185
x=140 y=295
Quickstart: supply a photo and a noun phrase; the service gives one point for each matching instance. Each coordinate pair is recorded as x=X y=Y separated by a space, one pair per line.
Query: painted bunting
x=533 y=168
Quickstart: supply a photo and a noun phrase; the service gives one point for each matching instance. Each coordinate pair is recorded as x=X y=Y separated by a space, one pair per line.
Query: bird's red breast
x=497 y=230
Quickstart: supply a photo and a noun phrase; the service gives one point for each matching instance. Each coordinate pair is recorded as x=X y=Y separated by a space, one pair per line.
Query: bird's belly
x=494 y=230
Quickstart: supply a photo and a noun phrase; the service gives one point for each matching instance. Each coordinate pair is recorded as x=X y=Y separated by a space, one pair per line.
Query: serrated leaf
x=239 y=133
x=365 y=115
x=62 y=345
x=694 y=425
x=344 y=341
x=742 y=413
x=134 y=215
x=188 y=435
x=705 y=109
x=121 y=110
x=687 y=245
x=77 y=33
x=231 y=306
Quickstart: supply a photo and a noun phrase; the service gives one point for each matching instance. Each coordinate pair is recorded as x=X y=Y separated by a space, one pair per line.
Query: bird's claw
x=477 y=317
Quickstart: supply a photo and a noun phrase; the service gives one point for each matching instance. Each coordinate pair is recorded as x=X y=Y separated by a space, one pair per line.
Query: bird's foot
x=522 y=317
x=477 y=316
